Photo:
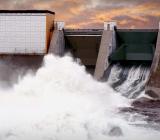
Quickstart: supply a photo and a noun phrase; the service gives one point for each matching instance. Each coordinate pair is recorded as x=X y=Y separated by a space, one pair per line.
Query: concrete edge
x=104 y=51
x=57 y=44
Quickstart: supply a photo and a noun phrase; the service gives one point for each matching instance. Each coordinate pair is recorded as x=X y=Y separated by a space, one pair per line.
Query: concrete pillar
x=57 y=44
x=110 y=25
x=59 y=25
x=153 y=85
x=106 y=48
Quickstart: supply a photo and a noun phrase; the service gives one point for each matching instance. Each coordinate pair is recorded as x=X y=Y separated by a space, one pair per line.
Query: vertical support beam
x=106 y=48
x=153 y=85
x=57 y=44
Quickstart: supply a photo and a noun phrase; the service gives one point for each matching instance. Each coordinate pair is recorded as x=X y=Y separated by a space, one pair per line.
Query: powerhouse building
x=25 y=31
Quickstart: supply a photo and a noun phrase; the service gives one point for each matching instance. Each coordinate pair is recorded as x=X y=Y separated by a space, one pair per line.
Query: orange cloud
x=92 y=13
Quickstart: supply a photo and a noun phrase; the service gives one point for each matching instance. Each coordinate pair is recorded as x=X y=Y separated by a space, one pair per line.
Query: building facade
x=25 y=31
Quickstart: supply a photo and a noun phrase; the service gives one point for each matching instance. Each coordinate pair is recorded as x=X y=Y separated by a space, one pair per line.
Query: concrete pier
x=153 y=85
x=106 y=47
x=102 y=60
x=57 y=44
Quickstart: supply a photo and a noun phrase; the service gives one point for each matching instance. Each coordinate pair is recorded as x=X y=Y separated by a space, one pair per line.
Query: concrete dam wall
x=97 y=49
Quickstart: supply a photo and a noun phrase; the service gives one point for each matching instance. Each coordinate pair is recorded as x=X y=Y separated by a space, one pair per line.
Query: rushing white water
x=63 y=102
x=129 y=81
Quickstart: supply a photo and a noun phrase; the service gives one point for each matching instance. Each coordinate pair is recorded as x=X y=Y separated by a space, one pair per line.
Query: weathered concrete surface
x=57 y=44
x=153 y=85
x=104 y=51
x=13 y=67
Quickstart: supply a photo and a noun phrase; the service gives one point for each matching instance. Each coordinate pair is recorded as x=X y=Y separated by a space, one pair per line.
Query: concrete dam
x=97 y=49
x=85 y=84
x=100 y=49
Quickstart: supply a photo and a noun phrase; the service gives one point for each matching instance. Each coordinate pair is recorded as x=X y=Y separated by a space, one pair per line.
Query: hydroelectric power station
x=26 y=36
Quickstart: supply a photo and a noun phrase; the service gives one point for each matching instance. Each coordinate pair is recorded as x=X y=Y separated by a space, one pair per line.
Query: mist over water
x=62 y=102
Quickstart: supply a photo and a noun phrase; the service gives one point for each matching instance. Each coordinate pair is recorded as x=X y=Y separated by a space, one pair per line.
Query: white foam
x=135 y=79
x=63 y=102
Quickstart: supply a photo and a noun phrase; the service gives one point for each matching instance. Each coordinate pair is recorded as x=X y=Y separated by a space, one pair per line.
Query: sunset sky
x=92 y=13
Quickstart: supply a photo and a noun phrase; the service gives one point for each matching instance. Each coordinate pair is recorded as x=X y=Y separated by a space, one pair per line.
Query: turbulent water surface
x=62 y=102
x=129 y=80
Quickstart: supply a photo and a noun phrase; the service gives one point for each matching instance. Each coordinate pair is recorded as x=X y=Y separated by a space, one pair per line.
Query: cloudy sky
x=92 y=13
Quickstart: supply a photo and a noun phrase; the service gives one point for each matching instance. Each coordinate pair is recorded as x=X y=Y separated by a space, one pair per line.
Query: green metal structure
x=134 y=45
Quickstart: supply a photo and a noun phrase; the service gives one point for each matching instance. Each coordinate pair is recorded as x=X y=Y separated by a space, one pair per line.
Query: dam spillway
x=135 y=45
x=50 y=95
x=84 y=44
x=128 y=80
x=97 y=49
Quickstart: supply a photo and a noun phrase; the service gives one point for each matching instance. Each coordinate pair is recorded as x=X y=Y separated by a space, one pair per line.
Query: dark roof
x=27 y=11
